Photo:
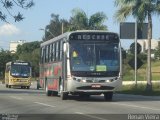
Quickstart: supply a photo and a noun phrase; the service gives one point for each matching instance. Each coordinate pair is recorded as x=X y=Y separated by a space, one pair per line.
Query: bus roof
x=66 y=35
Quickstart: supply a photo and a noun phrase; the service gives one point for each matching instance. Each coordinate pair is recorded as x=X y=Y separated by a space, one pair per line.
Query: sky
x=40 y=15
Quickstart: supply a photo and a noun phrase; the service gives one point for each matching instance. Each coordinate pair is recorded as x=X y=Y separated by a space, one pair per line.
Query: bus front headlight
x=111 y=80
x=79 y=80
x=83 y=81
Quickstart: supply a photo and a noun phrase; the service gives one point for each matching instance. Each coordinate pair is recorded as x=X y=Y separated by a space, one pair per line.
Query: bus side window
x=57 y=51
x=46 y=54
x=55 y=54
x=50 y=53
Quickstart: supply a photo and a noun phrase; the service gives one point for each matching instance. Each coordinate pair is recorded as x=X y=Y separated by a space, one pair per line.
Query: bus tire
x=48 y=92
x=28 y=87
x=38 y=87
x=54 y=93
x=6 y=86
x=9 y=86
x=64 y=95
x=108 y=96
x=38 y=84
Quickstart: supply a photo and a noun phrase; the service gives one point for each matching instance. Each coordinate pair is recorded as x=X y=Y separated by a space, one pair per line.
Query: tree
x=5 y=56
x=141 y=10
x=55 y=27
x=26 y=52
x=80 y=21
x=157 y=51
x=27 y=47
x=35 y=61
x=9 y=5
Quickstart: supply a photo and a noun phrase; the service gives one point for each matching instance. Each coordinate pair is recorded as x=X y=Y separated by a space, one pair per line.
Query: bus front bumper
x=77 y=87
x=20 y=84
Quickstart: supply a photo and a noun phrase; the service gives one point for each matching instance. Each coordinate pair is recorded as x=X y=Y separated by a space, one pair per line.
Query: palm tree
x=54 y=28
x=140 y=10
x=80 y=21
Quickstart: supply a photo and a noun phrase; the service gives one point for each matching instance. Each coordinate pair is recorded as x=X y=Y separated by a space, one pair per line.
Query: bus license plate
x=96 y=86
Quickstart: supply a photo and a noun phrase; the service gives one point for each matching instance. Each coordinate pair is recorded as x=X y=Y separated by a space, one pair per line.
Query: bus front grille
x=94 y=88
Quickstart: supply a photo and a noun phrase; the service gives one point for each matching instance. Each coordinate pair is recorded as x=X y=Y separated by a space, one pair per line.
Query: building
x=144 y=44
x=13 y=45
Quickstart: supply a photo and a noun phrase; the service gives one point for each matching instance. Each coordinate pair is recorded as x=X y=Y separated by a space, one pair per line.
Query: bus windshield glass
x=20 y=70
x=95 y=58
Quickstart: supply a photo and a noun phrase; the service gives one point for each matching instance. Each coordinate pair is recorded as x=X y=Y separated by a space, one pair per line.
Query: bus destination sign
x=20 y=63
x=94 y=36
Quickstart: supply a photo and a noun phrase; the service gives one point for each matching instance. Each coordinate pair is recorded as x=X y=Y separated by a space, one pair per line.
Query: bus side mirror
x=64 y=47
x=124 y=56
x=30 y=71
x=65 y=50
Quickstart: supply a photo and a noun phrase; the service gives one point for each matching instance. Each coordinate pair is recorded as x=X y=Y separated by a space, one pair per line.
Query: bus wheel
x=9 y=86
x=108 y=96
x=38 y=87
x=64 y=95
x=48 y=92
x=38 y=84
x=6 y=86
x=28 y=87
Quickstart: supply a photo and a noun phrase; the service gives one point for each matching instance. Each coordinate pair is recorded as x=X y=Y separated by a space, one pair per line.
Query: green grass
x=141 y=72
x=140 y=90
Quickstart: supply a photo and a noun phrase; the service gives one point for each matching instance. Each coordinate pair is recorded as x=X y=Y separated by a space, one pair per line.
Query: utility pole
x=62 y=27
x=135 y=53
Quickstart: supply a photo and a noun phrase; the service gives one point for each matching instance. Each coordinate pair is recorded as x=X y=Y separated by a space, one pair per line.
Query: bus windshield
x=95 y=57
x=20 y=70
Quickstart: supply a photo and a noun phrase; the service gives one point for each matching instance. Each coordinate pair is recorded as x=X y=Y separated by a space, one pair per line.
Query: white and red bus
x=81 y=63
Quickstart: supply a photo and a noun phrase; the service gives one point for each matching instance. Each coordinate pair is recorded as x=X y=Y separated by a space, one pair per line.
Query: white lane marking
x=17 y=98
x=135 y=106
x=91 y=116
x=44 y=104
